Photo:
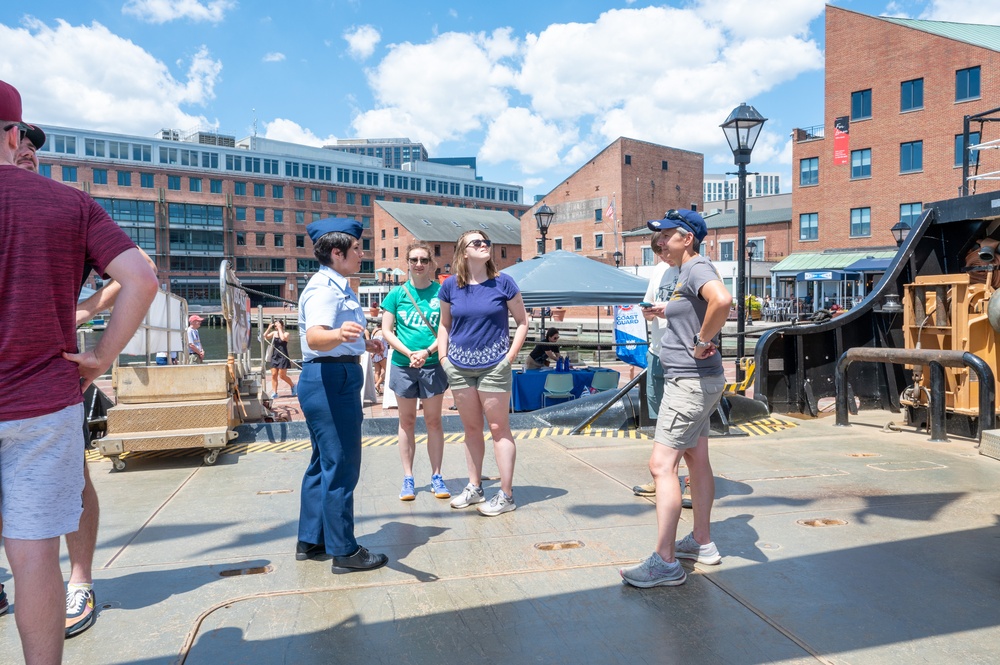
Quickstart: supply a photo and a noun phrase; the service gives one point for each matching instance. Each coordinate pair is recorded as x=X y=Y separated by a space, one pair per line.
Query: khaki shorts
x=495 y=379
x=41 y=474
x=686 y=410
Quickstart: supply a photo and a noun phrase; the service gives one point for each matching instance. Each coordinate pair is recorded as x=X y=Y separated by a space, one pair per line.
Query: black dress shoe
x=304 y=551
x=360 y=560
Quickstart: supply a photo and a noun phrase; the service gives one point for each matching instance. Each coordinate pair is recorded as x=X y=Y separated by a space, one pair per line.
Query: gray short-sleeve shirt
x=685 y=312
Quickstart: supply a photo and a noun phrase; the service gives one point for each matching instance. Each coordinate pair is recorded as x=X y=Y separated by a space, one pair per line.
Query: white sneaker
x=653 y=571
x=498 y=505
x=470 y=495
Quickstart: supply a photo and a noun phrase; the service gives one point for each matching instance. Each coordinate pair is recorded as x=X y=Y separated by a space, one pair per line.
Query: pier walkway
x=840 y=546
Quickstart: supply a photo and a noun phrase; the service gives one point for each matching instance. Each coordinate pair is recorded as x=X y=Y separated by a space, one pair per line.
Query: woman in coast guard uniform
x=331 y=330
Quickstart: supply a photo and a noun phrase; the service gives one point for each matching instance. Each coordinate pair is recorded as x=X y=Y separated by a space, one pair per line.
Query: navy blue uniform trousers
x=330 y=396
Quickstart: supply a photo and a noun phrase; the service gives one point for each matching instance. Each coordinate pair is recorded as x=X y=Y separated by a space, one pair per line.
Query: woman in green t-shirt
x=410 y=320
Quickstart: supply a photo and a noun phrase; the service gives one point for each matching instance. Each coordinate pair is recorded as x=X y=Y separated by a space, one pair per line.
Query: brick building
x=191 y=201
x=642 y=179
x=901 y=88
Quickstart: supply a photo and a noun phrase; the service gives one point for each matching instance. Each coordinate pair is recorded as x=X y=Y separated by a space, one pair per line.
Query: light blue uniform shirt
x=327 y=300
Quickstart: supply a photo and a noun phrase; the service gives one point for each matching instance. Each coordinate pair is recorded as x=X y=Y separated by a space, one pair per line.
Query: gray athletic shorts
x=418 y=382
x=686 y=410
x=495 y=379
x=41 y=475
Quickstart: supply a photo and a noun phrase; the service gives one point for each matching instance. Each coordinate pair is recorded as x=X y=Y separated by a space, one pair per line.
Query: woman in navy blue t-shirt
x=476 y=352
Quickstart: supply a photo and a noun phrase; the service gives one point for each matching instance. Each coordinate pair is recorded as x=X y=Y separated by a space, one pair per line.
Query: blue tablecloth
x=526 y=393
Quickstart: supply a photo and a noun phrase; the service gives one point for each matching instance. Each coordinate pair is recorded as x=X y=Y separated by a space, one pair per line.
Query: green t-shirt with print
x=410 y=327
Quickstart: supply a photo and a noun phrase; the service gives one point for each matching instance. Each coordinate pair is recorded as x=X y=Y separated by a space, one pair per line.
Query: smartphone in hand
x=645 y=305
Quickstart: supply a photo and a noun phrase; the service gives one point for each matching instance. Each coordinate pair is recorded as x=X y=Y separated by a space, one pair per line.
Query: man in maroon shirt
x=41 y=446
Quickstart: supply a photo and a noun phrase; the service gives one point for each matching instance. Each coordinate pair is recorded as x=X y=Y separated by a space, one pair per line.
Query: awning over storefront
x=870 y=264
x=826 y=276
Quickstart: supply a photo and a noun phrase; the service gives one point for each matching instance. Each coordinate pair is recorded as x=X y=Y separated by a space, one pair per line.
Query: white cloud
x=963 y=11
x=71 y=84
x=164 y=11
x=437 y=91
x=273 y=56
x=282 y=129
x=361 y=41
x=519 y=135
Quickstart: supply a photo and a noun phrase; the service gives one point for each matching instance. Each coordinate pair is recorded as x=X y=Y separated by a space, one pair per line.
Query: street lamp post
x=543 y=218
x=617 y=256
x=742 y=128
x=751 y=248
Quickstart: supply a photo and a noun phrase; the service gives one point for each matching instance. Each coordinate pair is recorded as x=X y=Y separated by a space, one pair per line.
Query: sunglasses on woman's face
x=422 y=260
x=479 y=242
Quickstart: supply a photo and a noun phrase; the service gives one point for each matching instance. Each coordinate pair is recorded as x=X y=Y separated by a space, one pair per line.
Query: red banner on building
x=841 y=140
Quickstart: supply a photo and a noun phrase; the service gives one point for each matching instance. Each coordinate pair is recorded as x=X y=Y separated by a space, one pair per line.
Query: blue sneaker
x=294 y=391
x=408 y=493
x=439 y=488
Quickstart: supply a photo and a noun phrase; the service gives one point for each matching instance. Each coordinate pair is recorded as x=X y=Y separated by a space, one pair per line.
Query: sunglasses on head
x=422 y=260
x=676 y=216
x=479 y=242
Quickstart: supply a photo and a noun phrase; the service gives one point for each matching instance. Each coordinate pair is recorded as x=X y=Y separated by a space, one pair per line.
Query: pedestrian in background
x=196 y=353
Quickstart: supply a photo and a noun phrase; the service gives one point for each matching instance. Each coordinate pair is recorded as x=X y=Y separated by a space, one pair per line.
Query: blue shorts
x=418 y=382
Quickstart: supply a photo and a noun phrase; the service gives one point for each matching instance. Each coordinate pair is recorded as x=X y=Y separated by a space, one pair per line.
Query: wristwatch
x=698 y=342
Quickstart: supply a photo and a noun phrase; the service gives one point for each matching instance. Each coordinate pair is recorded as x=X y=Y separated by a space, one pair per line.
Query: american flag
x=610 y=214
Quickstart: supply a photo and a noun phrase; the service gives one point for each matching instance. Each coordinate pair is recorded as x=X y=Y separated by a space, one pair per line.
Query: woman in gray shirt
x=693 y=383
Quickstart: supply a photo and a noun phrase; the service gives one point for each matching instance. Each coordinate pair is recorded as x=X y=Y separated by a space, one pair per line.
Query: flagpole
x=614 y=219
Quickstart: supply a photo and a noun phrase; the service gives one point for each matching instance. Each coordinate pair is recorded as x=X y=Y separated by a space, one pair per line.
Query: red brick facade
x=862 y=53
x=643 y=179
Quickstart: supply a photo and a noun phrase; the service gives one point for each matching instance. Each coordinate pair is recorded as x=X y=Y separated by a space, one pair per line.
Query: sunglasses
x=477 y=243
x=422 y=260
x=676 y=216
x=21 y=128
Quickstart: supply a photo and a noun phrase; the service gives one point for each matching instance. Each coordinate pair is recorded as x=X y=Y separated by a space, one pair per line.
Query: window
x=395 y=232
x=383 y=234
x=239 y=188
x=300 y=241
x=258 y=214
x=241 y=238
x=366 y=199
x=300 y=217
x=215 y=186
x=809 y=226
x=911 y=157
x=261 y=239
x=383 y=252
x=664 y=166
x=628 y=159
x=598 y=241
x=598 y=214
x=973 y=154
x=809 y=171
x=366 y=244
x=241 y=214
x=350 y=198
x=69 y=173
x=300 y=193
x=316 y=216
x=258 y=190
x=726 y=250
x=911 y=95
x=100 y=176
x=910 y=213
x=277 y=191
x=279 y=239
x=124 y=178
x=861 y=104
x=558 y=243
x=331 y=196
x=861 y=163
x=194 y=184
x=315 y=194
x=861 y=222
x=146 y=180
x=174 y=182
x=279 y=216
x=967 y=84
x=395 y=252
x=437 y=250
x=577 y=243
x=45 y=170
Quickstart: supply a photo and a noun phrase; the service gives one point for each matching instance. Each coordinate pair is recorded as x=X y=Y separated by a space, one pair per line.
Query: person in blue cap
x=331 y=330
x=693 y=380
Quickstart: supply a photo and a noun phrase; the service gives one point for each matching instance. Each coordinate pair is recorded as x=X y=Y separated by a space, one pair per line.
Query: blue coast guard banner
x=630 y=331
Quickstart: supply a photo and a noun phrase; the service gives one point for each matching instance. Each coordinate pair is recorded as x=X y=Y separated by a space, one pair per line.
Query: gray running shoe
x=498 y=505
x=470 y=495
x=689 y=548
x=653 y=571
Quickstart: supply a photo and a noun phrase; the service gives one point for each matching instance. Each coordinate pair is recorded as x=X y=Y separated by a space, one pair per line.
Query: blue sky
x=532 y=89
